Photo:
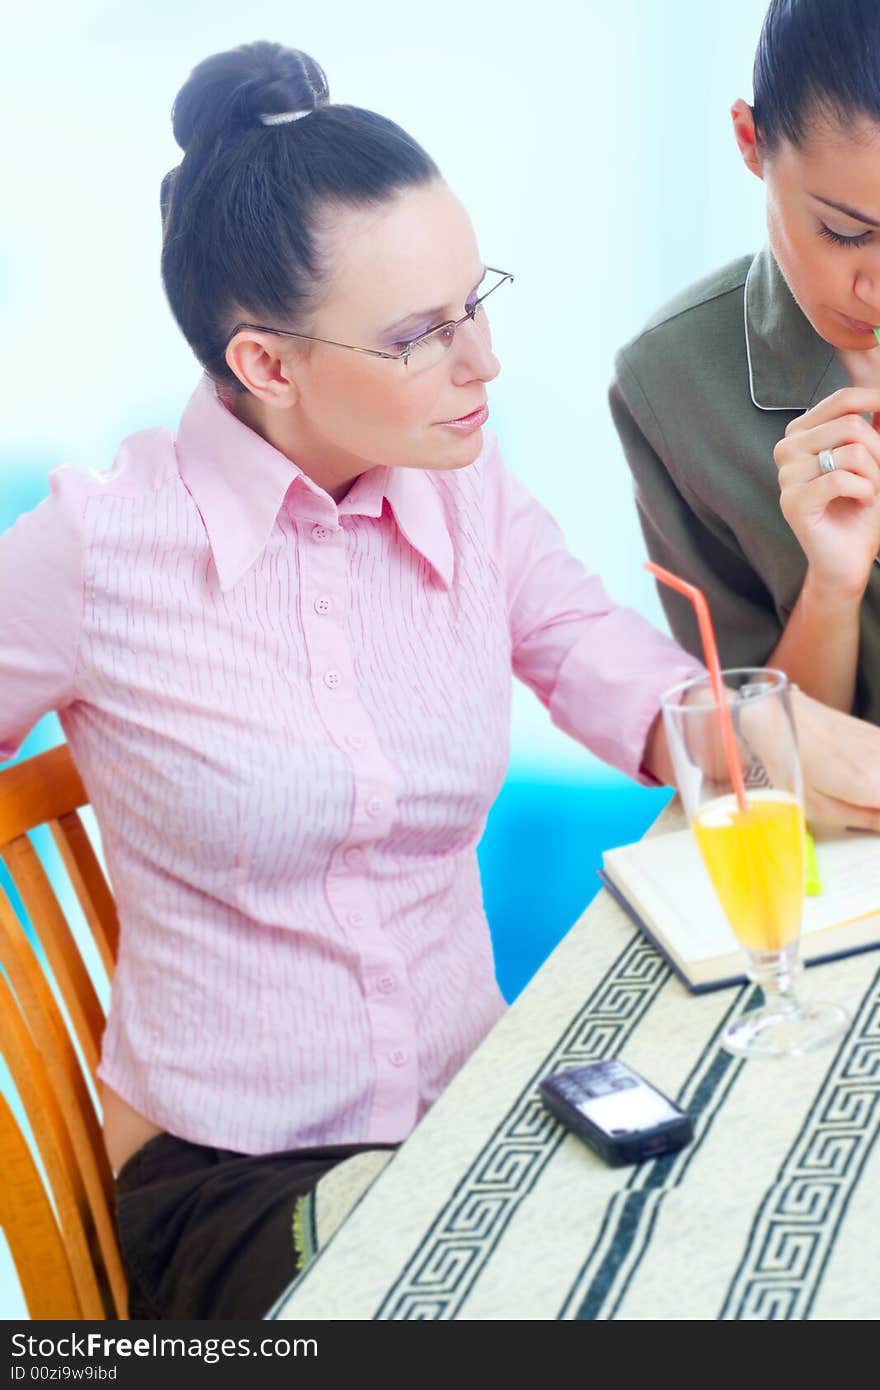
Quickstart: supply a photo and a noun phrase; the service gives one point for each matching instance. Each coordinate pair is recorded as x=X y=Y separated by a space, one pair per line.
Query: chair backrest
x=53 y=1085
x=31 y=1229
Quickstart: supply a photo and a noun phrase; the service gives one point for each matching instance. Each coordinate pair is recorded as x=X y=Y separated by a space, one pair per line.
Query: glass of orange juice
x=750 y=832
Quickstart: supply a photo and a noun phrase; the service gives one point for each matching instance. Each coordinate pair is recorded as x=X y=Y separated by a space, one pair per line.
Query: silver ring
x=826 y=461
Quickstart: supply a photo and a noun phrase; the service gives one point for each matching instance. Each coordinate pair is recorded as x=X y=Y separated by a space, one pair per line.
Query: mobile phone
x=618 y=1113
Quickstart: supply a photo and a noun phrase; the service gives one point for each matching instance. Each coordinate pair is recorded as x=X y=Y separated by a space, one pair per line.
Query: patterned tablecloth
x=490 y=1210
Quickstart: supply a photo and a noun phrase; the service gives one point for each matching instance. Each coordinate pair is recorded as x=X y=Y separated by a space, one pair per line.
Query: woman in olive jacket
x=760 y=385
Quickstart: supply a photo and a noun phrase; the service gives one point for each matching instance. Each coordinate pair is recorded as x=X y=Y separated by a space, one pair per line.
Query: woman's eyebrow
x=416 y=317
x=850 y=212
x=420 y=315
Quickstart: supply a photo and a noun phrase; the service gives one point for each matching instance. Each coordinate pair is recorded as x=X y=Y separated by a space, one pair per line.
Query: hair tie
x=282 y=117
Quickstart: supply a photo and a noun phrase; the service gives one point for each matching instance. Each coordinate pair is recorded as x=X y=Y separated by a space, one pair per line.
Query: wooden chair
x=75 y=1271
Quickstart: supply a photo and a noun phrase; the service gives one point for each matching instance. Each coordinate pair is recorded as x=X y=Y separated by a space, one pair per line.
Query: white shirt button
x=374 y=806
x=322 y=606
x=398 y=1058
x=354 y=857
x=321 y=533
x=386 y=984
x=355 y=919
x=332 y=679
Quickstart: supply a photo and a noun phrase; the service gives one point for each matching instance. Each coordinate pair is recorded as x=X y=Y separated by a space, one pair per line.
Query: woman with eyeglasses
x=280 y=642
x=761 y=384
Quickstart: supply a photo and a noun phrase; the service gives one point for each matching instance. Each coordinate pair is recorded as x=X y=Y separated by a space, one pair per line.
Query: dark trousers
x=208 y=1233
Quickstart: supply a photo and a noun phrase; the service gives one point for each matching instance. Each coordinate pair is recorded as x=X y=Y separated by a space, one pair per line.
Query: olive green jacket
x=700 y=399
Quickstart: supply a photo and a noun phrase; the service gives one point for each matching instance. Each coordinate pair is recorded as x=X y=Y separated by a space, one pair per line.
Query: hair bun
x=230 y=91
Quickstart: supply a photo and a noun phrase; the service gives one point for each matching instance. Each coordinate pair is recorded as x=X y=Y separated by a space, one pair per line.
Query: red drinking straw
x=710 y=652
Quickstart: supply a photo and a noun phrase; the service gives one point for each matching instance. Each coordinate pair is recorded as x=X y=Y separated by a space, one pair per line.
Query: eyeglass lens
x=432 y=347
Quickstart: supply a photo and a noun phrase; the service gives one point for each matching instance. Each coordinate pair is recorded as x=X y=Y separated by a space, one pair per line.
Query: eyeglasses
x=421 y=353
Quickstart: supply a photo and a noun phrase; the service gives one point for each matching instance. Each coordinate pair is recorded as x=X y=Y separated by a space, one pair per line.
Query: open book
x=662 y=885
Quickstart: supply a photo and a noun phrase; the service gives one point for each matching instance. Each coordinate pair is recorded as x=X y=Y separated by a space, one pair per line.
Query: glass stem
x=775 y=972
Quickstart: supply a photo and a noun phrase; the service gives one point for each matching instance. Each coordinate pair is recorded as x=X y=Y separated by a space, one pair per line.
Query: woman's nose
x=474 y=358
x=867 y=290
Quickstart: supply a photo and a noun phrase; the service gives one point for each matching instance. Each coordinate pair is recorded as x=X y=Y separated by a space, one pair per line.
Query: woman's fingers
x=840 y=758
x=848 y=458
x=828 y=488
x=834 y=514
x=833 y=434
x=828 y=810
x=805 y=505
x=852 y=400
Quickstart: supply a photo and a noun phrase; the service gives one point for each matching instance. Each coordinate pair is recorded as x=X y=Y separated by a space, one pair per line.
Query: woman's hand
x=835 y=515
x=840 y=762
x=839 y=756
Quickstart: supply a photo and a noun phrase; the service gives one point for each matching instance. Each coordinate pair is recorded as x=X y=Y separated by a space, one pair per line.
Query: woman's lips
x=858 y=325
x=464 y=423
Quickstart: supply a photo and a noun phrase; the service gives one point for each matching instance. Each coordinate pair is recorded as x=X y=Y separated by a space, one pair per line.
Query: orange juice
x=755 y=860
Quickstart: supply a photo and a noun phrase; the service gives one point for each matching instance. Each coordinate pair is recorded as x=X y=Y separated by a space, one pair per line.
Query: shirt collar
x=239 y=483
x=418 y=510
x=415 y=502
x=790 y=366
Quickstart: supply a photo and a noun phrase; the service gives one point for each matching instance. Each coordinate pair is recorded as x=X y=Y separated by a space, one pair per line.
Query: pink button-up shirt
x=292 y=719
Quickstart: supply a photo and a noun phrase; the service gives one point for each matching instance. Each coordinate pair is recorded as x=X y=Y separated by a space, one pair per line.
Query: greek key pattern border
x=628 y=1226
x=442 y=1270
x=799 y=1217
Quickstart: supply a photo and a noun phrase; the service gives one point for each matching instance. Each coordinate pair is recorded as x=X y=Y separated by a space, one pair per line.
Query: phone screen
x=619 y=1103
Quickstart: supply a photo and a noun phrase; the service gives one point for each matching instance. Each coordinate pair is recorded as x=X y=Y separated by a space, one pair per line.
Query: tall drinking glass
x=754 y=851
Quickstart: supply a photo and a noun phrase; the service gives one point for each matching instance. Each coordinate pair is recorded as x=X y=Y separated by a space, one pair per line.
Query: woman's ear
x=744 y=133
x=256 y=360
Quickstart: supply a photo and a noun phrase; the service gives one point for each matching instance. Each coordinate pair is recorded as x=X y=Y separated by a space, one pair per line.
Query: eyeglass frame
x=506 y=276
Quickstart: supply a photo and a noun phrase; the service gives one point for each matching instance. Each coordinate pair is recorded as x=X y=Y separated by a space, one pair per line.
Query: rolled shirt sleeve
x=41 y=596
x=599 y=668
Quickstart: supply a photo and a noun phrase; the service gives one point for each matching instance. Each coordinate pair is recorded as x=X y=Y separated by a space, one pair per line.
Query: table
x=491 y=1211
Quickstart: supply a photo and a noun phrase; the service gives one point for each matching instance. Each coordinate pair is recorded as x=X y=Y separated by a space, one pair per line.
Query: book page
x=665 y=880
x=849 y=867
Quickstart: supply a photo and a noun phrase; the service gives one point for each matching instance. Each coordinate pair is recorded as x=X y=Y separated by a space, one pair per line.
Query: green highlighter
x=812 y=881
x=877 y=334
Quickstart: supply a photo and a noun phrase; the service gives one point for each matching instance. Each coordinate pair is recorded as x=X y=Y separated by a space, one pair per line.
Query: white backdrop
x=589 y=140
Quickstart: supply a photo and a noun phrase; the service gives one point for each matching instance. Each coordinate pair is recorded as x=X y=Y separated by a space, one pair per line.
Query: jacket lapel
x=790 y=367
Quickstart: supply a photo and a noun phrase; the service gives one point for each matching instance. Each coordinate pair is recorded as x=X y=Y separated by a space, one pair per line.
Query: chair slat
x=37 y=790
x=38 y=1043
x=33 y=1084
x=90 y=885
x=46 y=1025
x=56 y=938
x=32 y=1233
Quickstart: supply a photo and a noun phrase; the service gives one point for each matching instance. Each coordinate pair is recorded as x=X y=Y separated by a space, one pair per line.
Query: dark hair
x=816 y=59
x=239 y=212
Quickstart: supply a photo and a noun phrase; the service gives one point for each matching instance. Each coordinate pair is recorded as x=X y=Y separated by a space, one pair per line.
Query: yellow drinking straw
x=710 y=652
x=813 y=883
